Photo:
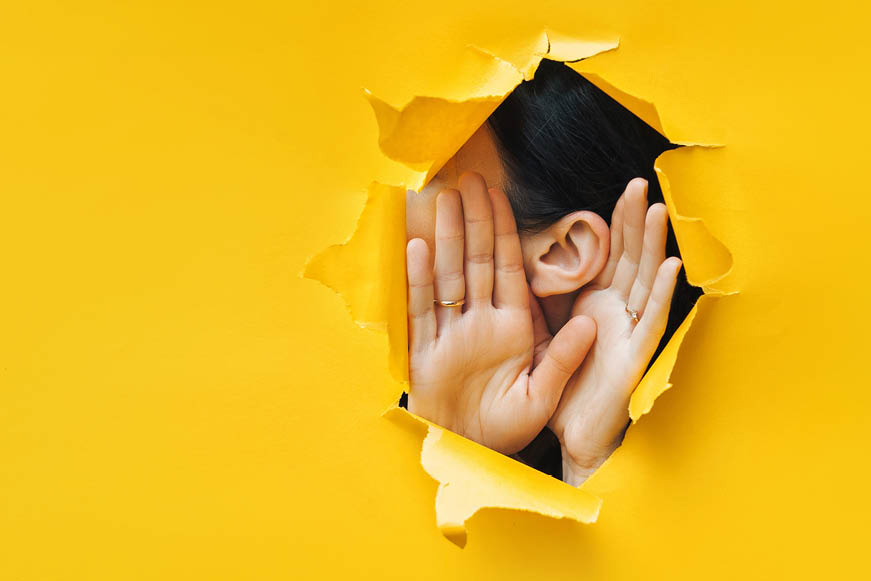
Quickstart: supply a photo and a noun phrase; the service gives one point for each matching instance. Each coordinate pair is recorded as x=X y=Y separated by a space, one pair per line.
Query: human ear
x=567 y=255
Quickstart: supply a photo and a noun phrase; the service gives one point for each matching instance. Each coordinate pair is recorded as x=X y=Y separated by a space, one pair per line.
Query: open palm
x=471 y=366
x=629 y=301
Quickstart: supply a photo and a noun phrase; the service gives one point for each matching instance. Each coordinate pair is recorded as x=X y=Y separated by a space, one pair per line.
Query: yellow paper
x=177 y=403
x=368 y=270
x=473 y=477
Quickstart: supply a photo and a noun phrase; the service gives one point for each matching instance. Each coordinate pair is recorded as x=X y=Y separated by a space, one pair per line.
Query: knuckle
x=450 y=276
x=560 y=365
x=480 y=258
x=511 y=268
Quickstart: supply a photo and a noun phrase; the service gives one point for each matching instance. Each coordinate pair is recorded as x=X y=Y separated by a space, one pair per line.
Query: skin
x=593 y=412
x=491 y=371
x=479 y=155
x=471 y=368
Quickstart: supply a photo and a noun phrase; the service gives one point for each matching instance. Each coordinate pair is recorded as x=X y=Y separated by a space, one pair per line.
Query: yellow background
x=176 y=402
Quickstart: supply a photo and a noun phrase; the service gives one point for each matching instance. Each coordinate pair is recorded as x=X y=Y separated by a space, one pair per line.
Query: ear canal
x=563 y=253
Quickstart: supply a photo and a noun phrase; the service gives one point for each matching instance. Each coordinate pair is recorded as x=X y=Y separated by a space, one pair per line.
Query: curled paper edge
x=473 y=477
x=405 y=132
x=706 y=259
x=368 y=272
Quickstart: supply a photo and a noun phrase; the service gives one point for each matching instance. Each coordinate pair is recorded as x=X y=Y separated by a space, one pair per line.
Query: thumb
x=564 y=355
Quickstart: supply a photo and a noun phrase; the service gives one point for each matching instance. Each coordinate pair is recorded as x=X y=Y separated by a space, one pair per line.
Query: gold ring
x=633 y=314
x=458 y=303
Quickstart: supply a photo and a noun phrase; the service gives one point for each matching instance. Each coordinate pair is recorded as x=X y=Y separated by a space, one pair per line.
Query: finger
x=564 y=355
x=421 y=315
x=478 y=216
x=652 y=255
x=510 y=288
x=650 y=328
x=635 y=210
x=607 y=275
x=449 y=241
x=540 y=333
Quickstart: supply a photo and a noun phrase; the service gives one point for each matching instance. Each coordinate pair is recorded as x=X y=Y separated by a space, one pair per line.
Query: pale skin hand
x=593 y=411
x=471 y=368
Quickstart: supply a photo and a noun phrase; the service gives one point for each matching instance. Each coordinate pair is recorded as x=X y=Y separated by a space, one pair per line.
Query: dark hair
x=567 y=146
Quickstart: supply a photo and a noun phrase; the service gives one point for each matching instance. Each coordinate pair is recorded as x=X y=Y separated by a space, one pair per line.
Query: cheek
x=528 y=250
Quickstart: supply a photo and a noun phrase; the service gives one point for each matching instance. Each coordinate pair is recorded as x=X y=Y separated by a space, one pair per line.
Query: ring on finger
x=633 y=314
x=458 y=303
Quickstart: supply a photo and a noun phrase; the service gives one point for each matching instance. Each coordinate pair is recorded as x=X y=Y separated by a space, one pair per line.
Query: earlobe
x=567 y=255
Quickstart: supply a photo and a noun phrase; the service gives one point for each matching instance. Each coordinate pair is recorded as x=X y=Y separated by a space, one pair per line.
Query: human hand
x=471 y=366
x=593 y=412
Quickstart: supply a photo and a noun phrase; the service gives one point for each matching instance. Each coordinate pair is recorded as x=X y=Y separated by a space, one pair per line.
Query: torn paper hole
x=369 y=273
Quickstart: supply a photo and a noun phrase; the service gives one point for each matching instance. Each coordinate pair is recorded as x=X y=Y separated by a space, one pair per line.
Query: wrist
x=577 y=468
x=574 y=473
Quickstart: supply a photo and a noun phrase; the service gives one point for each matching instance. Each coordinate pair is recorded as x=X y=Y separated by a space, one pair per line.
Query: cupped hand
x=629 y=301
x=471 y=366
